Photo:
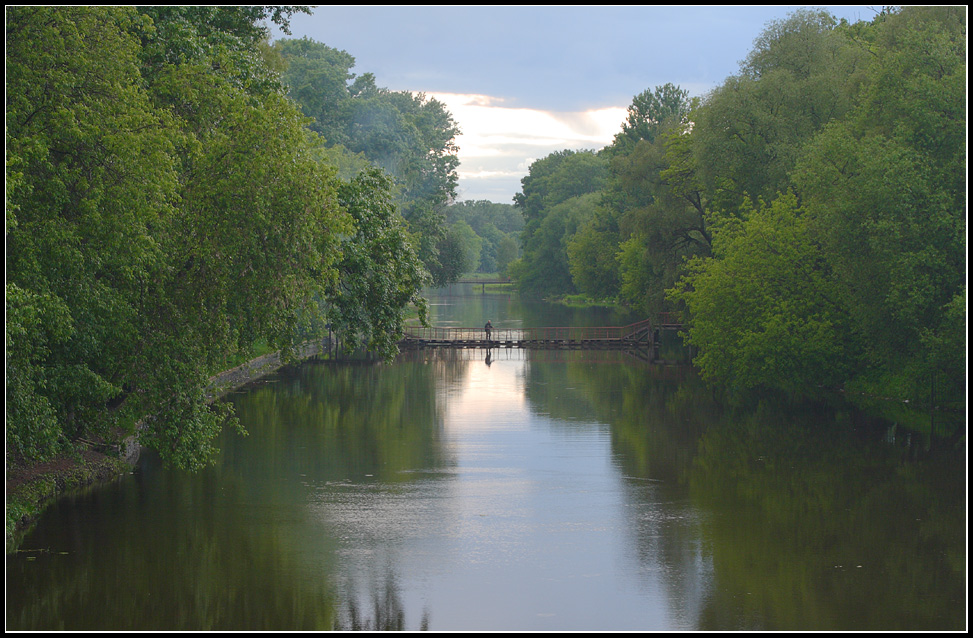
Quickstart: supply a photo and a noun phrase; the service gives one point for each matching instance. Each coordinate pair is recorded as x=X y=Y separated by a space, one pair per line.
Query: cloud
x=524 y=81
x=498 y=142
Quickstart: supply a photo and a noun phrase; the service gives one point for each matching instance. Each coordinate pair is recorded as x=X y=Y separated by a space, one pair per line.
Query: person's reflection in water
x=489 y=360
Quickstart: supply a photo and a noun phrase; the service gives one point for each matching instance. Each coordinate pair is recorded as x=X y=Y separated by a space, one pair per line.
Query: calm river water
x=513 y=490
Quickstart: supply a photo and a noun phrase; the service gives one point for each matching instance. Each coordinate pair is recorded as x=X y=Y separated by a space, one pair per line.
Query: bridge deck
x=633 y=335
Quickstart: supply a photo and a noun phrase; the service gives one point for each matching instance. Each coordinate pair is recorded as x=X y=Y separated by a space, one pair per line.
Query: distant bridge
x=495 y=280
x=484 y=282
x=635 y=335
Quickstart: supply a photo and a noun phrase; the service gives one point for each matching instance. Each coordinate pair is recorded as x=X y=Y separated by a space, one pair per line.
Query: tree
x=544 y=269
x=557 y=196
x=650 y=112
x=507 y=252
x=227 y=39
x=408 y=135
x=559 y=177
x=801 y=75
x=250 y=250
x=656 y=215
x=763 y=308
x=471 y=242
x=592 y=261
x=165 y=209
x=318 y=79
x=494 y=224
x=886 y=193
x=379 y=272
x=91 y=178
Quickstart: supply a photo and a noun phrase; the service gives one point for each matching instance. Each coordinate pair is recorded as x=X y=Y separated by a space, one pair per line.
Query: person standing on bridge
x=488 y=328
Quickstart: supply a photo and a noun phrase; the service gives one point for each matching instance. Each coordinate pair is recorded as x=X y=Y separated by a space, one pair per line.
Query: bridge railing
x=669 y=319
x=566 y=333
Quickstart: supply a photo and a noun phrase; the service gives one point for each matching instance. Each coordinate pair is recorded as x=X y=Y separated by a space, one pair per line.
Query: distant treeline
x=807 y=216
x=169 y=206
x=411 y=138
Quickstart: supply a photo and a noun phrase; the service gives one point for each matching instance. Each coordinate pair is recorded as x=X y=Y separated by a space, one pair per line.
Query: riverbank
x=584 y=301
x=30 y=490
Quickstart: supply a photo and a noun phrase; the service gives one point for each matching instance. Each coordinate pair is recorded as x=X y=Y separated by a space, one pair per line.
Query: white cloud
x=498 y=143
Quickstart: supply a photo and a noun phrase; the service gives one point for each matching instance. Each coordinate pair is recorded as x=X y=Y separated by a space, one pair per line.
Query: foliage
x=369 y=297
x=544 y=269
x=854 y=277
x=762 y=307
x=650 y=112
x=654 y=225
x=886 y=189
x=94 y=176
x=801 y=75
x=592 y=261
x=408 y=135
x=168 y=208
x=496 y=225
x=862 y=284
x=558 y=196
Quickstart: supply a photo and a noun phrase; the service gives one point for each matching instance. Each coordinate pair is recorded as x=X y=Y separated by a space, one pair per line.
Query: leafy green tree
x=229 y=40
x=379 y=272
x=764 y=309
x=250 y=251
x=318 y=78
x=471 y=242
x=493 y=223
x=558 y=177
x=506 y=218
x=544 y=270
x=34 y=325
x=557 y=197
x=886 y=189
x=507 y=252
x=451 y=260
x=592 y=261
x=408 y=135
x=92 y=177
x=650 y=112
x=801 y=75
x=656 y=218
x=637 y=277
x=165 y=208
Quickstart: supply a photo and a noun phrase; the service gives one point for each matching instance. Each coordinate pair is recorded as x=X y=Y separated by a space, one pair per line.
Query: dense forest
x=807 y=217
x=412 y=140
x=179 y=190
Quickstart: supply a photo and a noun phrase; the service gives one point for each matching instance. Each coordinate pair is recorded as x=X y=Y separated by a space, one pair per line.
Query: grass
x=259 y=348
x=583 y=301
x=477 y=276
x=28 y=500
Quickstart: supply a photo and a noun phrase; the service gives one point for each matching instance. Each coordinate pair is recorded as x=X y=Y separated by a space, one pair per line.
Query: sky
x=524 y=81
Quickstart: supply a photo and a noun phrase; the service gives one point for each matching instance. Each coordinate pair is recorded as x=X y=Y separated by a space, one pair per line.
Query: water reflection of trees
x=791 y=500
x=819 y=523
x=193 y=560
x=236 y=546
x=321 y=422
x=379 y=608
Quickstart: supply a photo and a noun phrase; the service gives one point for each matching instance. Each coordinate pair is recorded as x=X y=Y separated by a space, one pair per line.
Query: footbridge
x=639 y=334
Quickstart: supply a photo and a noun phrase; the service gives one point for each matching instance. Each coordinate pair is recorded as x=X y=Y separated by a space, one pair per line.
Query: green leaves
x=167 y=207
x=762 y=309
x=379 y=273
x=558 y=196
x=408 y=135
x=94 y=178
x=886 y=196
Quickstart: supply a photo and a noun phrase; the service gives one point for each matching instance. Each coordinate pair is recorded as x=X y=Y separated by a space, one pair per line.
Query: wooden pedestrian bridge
x=635 y=335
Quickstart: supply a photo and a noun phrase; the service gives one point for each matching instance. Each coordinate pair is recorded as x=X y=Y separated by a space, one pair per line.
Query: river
x=513 y=490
